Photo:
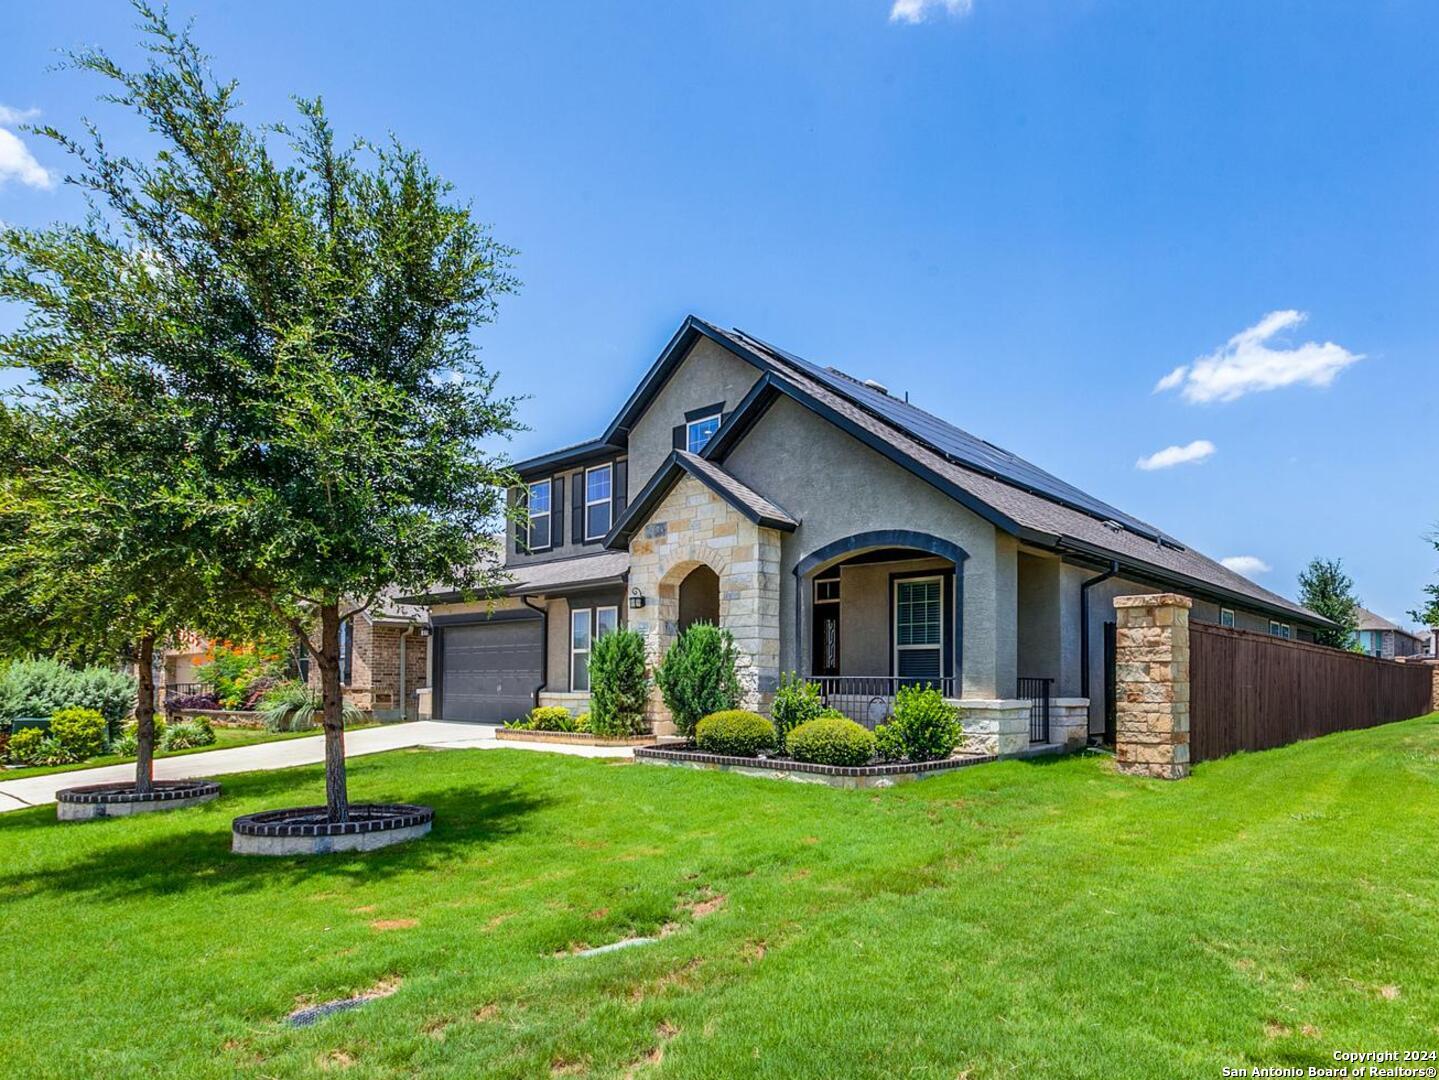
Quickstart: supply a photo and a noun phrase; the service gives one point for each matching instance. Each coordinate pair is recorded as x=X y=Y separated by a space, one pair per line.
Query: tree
x=1325 y=589
x=1428 y=615
x=308 y=314
x=93 y=557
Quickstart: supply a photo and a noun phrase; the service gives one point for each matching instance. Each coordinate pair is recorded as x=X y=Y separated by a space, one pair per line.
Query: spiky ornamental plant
x=310 y=320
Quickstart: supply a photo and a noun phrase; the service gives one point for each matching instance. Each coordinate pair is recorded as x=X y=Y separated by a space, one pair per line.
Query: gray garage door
x=489 y=671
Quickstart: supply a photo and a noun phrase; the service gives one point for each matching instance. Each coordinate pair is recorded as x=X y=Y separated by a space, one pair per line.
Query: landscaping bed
x=572 y=738
x=122 y=800
x=883 y=774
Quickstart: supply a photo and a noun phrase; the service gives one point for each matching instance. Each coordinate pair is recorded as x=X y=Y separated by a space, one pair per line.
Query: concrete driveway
x=431 y=734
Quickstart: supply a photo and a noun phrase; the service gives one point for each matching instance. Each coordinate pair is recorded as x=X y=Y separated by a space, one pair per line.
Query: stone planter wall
x=998 y=727
x=572 y=738
x=1069 y=722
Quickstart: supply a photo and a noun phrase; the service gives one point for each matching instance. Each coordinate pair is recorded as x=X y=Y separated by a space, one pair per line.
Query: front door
x=826 y=639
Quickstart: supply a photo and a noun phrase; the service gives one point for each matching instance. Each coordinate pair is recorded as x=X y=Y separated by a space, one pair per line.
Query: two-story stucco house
x=837 y=531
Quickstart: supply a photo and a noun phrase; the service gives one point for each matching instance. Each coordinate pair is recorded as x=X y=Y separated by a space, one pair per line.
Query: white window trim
x=593 y=618
x=589 y=614
x=690 y=424
x=1281 y=630
x=825 y=599
x=1226 y=611
x=607 y=501
x=894 y=628
x=548 y=515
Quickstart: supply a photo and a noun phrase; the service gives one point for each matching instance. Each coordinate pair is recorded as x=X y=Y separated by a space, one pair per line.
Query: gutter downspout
x=544 y=613
x=404 y=702
x=1084 y=588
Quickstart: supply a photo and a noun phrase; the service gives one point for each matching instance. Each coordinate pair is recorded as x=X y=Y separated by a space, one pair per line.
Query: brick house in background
x=384 y=659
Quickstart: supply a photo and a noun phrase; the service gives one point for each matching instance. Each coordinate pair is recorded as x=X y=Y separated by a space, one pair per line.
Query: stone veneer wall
x=692 y=526
x=1152 y=685
x=374 y=684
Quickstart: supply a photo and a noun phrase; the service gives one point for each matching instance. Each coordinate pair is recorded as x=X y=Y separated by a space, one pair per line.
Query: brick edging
x=124 y=792
x=381 y=817
x=903 y=768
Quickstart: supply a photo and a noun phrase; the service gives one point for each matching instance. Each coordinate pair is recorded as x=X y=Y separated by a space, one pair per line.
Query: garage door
x=489 y=671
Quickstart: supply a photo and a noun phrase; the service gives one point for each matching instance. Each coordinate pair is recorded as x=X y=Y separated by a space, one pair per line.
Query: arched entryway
x=699 y=599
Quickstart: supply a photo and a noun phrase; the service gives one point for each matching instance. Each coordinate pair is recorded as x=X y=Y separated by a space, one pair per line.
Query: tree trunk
x=337 y=798
x=145 y=715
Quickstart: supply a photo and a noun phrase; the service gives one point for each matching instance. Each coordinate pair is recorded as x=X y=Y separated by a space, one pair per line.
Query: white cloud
x=917 y=11
x=1248 y=565
x=1247 y=363
x=1171 y=456
x=16 y=161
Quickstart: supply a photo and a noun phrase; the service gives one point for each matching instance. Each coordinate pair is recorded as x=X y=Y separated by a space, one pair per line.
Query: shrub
x=734 y=732
x=127 y=745
x=187 y=734
x=831 y=740
x=796 y=702
x=293 y=706
x=925 y=727
x=584 y=723
x=619 y=684
x=697 y=675
x=191 y=701
x=551 y=718
x=42 y=687
x=132 y=730
x=233 y=670
x=82 y=733
x=24 y=747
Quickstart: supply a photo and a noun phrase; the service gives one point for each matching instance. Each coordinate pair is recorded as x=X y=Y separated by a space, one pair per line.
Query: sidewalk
x=431 y=734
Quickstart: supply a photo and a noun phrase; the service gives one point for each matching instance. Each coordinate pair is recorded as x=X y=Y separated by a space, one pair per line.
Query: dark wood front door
x=826 y=640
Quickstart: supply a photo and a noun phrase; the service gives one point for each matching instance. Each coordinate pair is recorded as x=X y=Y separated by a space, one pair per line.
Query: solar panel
x=960 y=446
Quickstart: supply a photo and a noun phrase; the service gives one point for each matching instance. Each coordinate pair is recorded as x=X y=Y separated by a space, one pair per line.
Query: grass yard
x=1038 y=919
x=225 y=737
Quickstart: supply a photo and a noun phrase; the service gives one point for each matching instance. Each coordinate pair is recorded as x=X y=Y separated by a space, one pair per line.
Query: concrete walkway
x=430 y=734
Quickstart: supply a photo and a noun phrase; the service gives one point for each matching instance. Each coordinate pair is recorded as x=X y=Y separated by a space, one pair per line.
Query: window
x=919 y=628
x=1279 y=630
x=698 y=432
x=826 y=591
x=599 y=493
x=1226 y=617
x=347 y=651
x=587 y=624
x=539 y=516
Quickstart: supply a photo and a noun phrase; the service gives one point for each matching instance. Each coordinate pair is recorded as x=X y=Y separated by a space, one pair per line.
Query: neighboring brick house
x=1380 y=637
x=384 y=659
x=837 y=531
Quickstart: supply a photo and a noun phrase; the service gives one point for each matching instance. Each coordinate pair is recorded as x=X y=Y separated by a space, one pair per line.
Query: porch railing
x=869 y=699
x=1037 y=691
x=185 y=689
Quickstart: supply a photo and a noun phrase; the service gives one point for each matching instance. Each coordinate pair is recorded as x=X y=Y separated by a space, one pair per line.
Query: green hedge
x=734 y=732
x=925 y=727
x=831 y=740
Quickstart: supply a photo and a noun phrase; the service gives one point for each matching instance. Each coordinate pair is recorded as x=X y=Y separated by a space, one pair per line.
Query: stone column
x=1152 y=691
x=1434 y=693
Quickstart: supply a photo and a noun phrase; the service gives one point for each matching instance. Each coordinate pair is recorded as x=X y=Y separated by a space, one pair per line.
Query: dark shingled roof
x=1083 y=525
x=746 y=500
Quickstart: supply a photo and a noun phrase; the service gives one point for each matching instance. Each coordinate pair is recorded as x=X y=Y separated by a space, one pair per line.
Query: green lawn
x=1040 y=919
x=225 y=737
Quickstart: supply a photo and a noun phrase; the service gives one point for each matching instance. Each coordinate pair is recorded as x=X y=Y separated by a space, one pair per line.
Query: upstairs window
x=699 y=432
x=1279 y=630
x=540 y=518
x=599 y=501
x=1226 y=617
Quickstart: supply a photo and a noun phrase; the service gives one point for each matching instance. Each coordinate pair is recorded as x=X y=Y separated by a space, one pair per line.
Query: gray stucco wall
x=864 y=613
x=836 y=487
x=557 y=633
x=709 y=374
x=1039 y=613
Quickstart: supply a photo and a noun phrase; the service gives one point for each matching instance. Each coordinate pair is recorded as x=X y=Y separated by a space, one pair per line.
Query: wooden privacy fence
x=1251 y=691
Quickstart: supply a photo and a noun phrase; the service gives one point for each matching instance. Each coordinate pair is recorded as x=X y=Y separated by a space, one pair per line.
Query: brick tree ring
x=307 y=830
x=121 y=800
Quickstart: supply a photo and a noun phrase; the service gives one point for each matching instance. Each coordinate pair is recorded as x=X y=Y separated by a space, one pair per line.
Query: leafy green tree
x=306 y=312
x=697 y=675
x=1428 y=614
x=1325 y=589
x=619 y=683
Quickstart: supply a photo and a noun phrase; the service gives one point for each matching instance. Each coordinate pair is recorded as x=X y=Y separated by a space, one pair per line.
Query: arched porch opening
x=699 y=598
x=877 y=611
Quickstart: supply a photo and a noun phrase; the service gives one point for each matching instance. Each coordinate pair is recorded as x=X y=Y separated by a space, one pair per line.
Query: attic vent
x=1110 y=523
x=876 y=385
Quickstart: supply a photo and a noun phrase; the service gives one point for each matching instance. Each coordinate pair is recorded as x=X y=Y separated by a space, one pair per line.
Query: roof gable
x=680 y=463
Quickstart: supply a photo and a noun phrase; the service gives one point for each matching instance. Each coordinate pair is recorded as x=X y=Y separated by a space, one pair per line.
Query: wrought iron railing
x=185 y=689
x=1037 y=692
x=869 y=699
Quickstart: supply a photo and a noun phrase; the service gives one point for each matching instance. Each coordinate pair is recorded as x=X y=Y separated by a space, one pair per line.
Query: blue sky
x=1026 y=214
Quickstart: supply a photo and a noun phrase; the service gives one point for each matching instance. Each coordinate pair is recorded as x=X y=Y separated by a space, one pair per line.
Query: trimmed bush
x=551 y=718
x=81 y=733
x=584 y=723
x=697 y=676
x=25 y=746
x=619 y=684
x=188 y=734
x=925 y=727
x=42 y=687
x=796 y=702
x=831 y=740
x=132 y=730
x=734 y=732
